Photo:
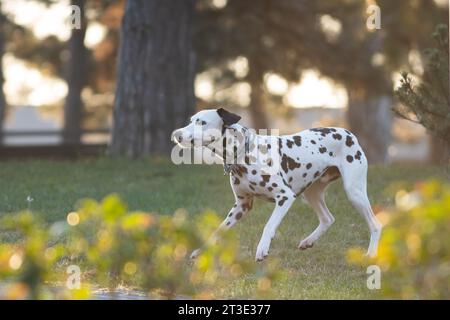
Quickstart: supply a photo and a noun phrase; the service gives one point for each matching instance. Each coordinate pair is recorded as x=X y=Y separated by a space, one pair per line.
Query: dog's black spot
x=247 y=206
x=253 y=183
x=348 y=132
x=231 y=214
x=331 y=154
x=251 y=187
x=323 y=131
x=322 y=150
x=298 y=140
x=349 y=141
x=304 y=175
x=269 y=146
x=269 y=162
x=287 y=163
x=358 y=155
x=316 y=174
x=265 y=177
x=253 y=172
x=228 y=223
x=289 y=143
x=240 y=170
x=281 y=202
x=280 y=146
x=283 y=191
x=240 y=197
x=313 y=142
x=274 y=185
x=308 y=166
x=270 y=188
x=350 y=159
x=235 y=205
x=238 y=215
x=262 y=184
x=236 y=180
x=290 y=179
x=336 y=136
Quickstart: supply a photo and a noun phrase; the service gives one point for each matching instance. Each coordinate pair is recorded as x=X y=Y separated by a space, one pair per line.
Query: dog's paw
x=262 y=251
x=305 y=244
x=195 y=254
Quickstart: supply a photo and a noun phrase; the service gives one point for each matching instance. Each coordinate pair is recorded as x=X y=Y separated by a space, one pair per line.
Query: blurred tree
x=2 y=80
x=76 y=79
x=429 y=101
x=155 y=86
x=374 y=56
x=54 y=58
x=272 y=39
x=287 y=36
x=267 y=34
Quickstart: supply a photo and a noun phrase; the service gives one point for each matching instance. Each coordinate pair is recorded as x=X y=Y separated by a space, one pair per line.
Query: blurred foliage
x=114 y=247
x=429 y=101
x=414 y=251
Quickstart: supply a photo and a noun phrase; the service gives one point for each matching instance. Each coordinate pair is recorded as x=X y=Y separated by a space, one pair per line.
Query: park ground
x=156 y=185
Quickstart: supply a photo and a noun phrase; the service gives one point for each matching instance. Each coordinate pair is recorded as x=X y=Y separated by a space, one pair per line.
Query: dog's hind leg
x=354 y=176
x=315 y=196
x=241 y=207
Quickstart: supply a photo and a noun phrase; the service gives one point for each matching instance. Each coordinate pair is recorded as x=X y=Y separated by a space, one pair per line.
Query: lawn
x=157 y=185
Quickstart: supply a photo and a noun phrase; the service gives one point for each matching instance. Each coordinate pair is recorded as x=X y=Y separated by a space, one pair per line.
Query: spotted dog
x=302 y=164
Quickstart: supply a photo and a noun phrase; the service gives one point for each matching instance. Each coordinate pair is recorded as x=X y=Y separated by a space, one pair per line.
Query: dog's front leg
x=241 y=207
x=284 y=202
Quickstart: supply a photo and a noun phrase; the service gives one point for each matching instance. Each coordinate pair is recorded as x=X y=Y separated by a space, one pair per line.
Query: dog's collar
x=228 y=168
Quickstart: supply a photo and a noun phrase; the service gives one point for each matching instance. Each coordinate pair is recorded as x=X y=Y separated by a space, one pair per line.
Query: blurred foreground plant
x=414 y=252
x=114 y=247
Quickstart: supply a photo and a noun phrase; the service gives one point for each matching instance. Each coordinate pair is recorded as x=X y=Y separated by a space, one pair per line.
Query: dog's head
x=204 y=128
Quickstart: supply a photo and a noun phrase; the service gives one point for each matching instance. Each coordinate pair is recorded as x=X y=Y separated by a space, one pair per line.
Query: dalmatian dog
x=302 y=164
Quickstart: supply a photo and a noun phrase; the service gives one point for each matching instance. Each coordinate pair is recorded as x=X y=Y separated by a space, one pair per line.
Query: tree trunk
x=440 y=150
x=257 y=108
x=76 y=80
x=155 y=88
x=370 y=119
x=2 y=80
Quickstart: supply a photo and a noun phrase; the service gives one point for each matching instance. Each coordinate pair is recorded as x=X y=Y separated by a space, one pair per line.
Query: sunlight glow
x=204 y=88
x=316 y=91
x=25 y=85
x=73 y=218
x=441 y=3
x=378 y=59
x=276 y=84
x=239 y=66
x=41 y=19
x=95 y=33
x=330 y=26
x=15 y=262
x=219 y=4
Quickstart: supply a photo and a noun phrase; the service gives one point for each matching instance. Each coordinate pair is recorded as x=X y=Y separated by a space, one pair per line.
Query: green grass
x=159 y=186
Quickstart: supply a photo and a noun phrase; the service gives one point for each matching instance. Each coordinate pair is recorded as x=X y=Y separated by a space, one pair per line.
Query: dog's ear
x=228 y=117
